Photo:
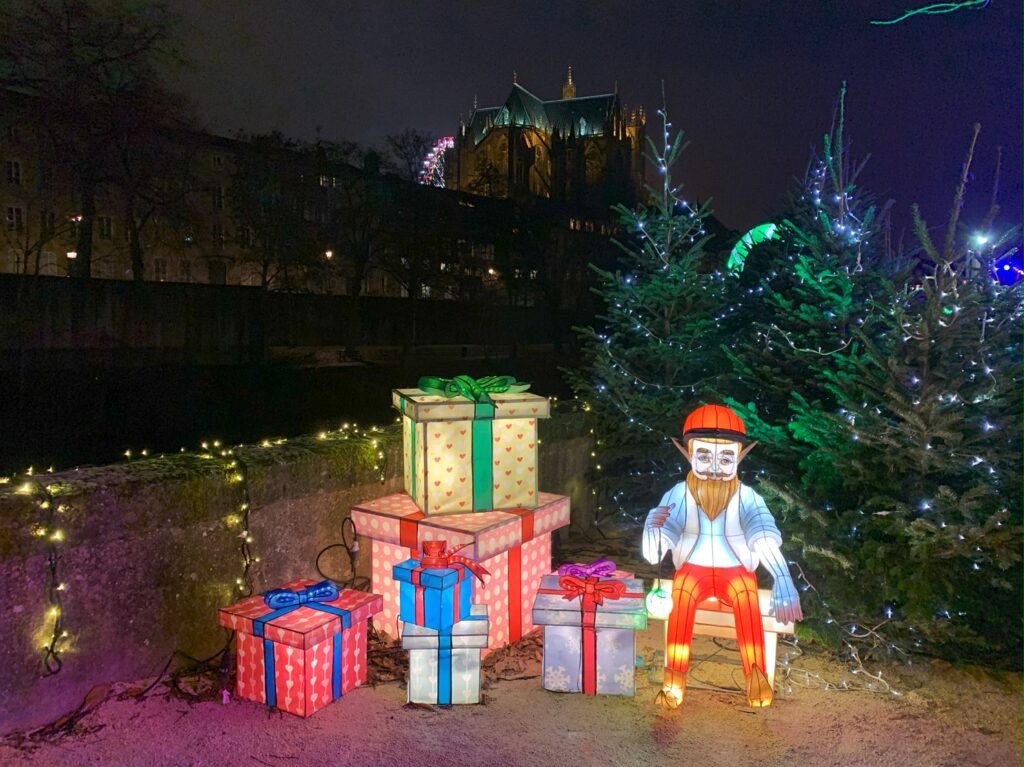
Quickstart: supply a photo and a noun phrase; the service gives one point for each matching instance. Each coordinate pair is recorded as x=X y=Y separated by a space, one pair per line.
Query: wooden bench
x=714 y=619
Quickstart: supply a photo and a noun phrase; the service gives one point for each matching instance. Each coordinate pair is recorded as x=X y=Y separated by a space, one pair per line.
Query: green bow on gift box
x=477 y=390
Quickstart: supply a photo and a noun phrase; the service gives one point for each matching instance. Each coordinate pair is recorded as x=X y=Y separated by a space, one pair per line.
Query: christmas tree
x=799 y=295
x=657 y=348
x=884 y=392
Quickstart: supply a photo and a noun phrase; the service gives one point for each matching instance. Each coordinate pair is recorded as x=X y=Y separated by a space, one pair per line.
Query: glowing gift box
x=461 y=455
x=589 y=631
x=301 y=646
x=436 y=588
x=513 y=545
x=444 y=666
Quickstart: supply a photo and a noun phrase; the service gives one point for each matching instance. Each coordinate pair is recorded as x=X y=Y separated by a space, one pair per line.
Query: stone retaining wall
x=151 y=549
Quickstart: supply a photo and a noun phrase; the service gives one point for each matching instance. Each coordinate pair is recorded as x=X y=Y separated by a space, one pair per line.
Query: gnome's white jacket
x=747 y=521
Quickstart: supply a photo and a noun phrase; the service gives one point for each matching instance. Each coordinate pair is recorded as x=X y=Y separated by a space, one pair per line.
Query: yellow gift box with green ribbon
x=470 y=444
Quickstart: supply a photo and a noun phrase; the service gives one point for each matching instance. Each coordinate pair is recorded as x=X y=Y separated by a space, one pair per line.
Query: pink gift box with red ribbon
x=514 y=545
x=305 y=658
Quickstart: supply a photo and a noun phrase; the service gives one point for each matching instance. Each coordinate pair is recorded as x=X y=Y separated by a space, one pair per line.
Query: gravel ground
x=961 y=717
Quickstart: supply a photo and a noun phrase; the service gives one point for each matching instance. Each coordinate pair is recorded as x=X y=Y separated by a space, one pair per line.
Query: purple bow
x=602 y=568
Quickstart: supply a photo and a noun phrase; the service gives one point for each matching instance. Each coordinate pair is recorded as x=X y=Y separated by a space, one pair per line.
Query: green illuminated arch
x=757 y=235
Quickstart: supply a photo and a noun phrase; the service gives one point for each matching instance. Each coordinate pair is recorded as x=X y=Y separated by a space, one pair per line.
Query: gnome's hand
x=786 y=601
x=655 y=543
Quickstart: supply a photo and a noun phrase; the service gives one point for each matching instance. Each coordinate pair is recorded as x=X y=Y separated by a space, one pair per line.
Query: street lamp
x=328 y=254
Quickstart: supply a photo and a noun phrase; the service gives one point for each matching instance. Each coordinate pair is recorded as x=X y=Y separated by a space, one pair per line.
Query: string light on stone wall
x=48 y=526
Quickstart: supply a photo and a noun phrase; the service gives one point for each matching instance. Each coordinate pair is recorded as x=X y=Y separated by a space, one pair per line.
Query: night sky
x=752 y=82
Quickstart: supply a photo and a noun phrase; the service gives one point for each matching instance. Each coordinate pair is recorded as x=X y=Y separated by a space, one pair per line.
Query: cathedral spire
x=569 y=87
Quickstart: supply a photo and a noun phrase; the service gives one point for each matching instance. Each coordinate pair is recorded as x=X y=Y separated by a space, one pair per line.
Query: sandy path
x=944 y=717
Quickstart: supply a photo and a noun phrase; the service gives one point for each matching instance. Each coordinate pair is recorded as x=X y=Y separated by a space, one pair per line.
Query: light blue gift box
x=444 y=666
x=616 y=622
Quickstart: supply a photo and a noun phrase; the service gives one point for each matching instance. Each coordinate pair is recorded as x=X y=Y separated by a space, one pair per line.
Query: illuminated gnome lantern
x=718 y=530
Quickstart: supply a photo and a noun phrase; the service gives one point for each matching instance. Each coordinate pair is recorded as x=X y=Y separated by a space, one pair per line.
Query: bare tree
x=153 y=150
x=273 y=198
x=406 y=150
x=356 y=224
x=488 y=181
x=44 y=218
x=86 y=65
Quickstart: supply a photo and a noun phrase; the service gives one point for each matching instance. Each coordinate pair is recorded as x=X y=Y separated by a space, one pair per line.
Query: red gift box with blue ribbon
x=301 y=646
x=436 y=586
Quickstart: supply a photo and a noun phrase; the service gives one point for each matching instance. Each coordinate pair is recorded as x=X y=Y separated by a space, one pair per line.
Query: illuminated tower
x=569 y=87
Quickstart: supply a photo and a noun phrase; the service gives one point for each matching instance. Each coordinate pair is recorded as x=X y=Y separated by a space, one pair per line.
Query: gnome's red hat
x=715 y=422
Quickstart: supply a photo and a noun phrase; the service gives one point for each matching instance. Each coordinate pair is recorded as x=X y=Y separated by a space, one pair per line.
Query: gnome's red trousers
x=735 y=587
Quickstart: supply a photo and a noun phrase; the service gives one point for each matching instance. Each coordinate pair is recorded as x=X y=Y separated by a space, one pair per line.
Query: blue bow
x=324 y=591
x=282 y=602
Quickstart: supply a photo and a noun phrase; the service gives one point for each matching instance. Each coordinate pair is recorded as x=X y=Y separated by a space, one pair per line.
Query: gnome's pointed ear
x=682 y=449
x=747 y=449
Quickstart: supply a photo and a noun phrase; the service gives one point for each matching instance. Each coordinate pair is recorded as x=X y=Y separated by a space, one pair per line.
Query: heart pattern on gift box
x=515 y=459
x=449 y=446
x=303 y=678
x=441 y=455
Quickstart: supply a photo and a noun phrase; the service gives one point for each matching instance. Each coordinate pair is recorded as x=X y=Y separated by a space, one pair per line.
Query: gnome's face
x=715 y=459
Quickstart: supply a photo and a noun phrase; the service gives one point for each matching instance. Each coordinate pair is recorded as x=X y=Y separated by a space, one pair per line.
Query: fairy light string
x=50 y=511
x=48 y=527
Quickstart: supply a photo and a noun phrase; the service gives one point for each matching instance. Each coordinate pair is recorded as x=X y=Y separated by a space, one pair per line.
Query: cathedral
x=581 y=151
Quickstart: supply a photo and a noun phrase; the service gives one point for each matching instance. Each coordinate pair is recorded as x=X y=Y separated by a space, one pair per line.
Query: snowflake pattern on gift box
x=572 y=644
x=613 y=641
x=624 y=678
x=556 y=679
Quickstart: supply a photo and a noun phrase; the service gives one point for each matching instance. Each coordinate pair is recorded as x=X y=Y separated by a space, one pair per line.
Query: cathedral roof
x=582 y=116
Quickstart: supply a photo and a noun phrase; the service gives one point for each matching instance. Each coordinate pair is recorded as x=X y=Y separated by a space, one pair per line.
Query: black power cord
x=350 y=544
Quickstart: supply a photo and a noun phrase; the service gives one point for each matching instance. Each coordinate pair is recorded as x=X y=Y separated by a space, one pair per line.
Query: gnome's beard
x=712 y=495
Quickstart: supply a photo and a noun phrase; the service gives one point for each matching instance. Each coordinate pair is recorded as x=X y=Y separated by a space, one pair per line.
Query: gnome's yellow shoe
x=759 y=692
